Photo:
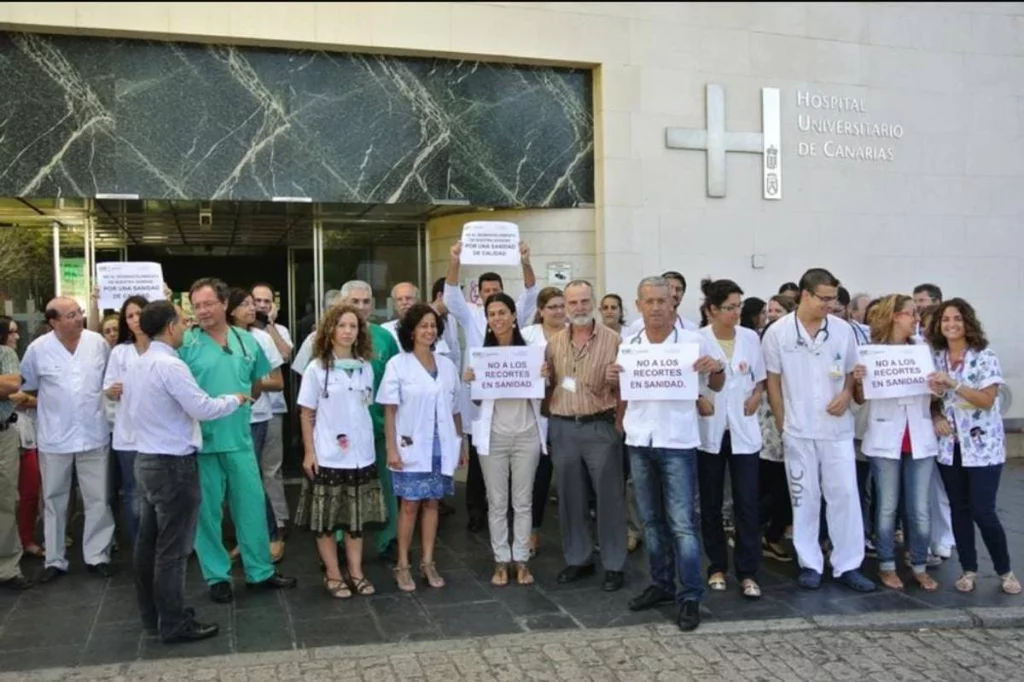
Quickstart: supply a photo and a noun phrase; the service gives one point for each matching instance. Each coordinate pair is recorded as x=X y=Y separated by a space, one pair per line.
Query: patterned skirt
x=349 y=500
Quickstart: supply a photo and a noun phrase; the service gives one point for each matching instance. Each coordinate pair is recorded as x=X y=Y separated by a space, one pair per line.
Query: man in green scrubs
x=359 y=295
x=226 y=360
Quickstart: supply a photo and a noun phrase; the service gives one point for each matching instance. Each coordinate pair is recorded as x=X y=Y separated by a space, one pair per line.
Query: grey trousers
x=594 y=448
x=270 y=467
x=90 y=467
x=512 y=456
x=10 y=545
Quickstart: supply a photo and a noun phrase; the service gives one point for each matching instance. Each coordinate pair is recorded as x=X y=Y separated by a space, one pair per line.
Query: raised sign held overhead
x=118 y=281
x=487 y=242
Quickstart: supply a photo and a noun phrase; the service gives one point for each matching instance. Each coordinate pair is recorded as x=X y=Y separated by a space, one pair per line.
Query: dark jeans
x=129 y=501
x=972 y=500
x=776 y=509
x=476 y=492
x=867 y=498
x=168 y=489
x=665 y=482
x=542 y=488
x=259 y=438
x=744 y=473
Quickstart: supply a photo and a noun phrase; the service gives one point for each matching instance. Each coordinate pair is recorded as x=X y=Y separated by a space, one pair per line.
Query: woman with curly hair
x=972 y=445
x=342 y=490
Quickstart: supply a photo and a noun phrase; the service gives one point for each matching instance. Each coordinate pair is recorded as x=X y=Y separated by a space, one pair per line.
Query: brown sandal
x=890 y=579
x=337 y=588
x=500 y=577
x=926 y=582
x=403 y=577
x=362 y=586
x=523 y=575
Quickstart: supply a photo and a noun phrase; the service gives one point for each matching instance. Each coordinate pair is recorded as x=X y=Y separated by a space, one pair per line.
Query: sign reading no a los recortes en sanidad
x=896 y=371
x=487 y=242
x=506 y=372
x=662 y=371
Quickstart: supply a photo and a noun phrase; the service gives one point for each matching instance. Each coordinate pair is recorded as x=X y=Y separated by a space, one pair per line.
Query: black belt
x=607 y=416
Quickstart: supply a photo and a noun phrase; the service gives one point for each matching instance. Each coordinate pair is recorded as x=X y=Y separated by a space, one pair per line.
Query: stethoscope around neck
x=801 y=342
x=637 y=339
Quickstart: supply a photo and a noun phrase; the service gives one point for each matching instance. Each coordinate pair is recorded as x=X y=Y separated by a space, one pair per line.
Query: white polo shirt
x=813 y=372
x=70 y=415
x=668 y=424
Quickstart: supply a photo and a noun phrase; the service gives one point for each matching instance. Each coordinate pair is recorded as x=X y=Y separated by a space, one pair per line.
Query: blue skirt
x=422 y=485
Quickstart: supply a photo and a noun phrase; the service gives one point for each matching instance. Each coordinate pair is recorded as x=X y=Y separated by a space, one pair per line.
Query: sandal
x=717 y=582
x=362 y=586
x=34 y=550
x=926 y=582
x=523 y=575
x=966 y=582
x=337 y=588
x=430 y=574
x=890 y=579
x=751 y=590
x=500 y=577
x=1010 y=583
x=403 y=577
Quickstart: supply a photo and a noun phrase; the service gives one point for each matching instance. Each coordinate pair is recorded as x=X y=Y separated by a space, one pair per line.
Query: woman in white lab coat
x=421 y=392
x=549 y=320
x=342 y=491
x=509 y=436
x=132 y=342
x=730 y=435
x=901 y=446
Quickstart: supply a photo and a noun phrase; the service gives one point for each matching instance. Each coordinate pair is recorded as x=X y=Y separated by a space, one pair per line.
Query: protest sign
x=896 y=371
x=506 y=372
x=486 y=242
x=117 y=281
x=662 y=371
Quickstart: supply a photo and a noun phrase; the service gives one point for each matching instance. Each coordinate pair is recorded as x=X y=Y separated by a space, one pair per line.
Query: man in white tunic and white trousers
x=810 y=356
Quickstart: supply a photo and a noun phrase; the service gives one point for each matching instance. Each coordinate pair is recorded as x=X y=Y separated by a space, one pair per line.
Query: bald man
x=64 y=369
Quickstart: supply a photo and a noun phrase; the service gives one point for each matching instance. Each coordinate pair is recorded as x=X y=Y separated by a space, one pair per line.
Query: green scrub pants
x=237 y=474
x=390 y=533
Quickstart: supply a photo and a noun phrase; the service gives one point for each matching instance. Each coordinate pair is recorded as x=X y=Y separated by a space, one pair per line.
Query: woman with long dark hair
x=509 y=438
x=612 y=313
x=754 y=314
x=132 y=342
x=972 y=444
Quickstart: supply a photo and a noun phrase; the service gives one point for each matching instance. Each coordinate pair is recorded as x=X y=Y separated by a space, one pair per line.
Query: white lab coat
x=344 y=411
x=888 y=419
x=423 y=401
x=742 y=375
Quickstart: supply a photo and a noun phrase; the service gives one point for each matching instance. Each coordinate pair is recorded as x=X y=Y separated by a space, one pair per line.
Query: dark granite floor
x=84 y=620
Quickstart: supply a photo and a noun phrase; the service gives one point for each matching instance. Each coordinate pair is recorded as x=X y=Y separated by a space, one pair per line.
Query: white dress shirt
x=70 y=416
x=164 y=403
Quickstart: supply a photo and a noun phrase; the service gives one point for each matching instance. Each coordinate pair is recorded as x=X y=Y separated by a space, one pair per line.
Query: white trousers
x=93 y=481
x=821 y=467
x=942 y=541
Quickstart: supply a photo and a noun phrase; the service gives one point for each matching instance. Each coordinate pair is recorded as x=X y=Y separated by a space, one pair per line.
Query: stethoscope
x=801 y=342
x=675 y=335
x=327 y=381
x=227 y=347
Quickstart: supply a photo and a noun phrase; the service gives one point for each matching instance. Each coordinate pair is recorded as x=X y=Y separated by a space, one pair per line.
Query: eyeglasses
x=730 y=308
x=911 y=313
x=205 y=306
x=824 y=299
x=72 y=314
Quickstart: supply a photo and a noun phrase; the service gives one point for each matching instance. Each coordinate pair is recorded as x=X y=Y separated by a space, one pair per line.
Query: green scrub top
x=384 y=348
x=219 y=372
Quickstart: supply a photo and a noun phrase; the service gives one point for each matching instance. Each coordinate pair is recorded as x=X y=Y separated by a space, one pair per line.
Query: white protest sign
x=661 y=371
x=502 y=372
x=896 y=371
x=118 y=281
x=488 y=242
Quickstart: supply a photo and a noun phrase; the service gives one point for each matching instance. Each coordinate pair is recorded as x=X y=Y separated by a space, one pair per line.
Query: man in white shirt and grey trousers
x=65 y=368
x=164 y=404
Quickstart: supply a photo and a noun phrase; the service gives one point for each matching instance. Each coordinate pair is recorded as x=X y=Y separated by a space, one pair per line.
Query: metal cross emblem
x=716 y=141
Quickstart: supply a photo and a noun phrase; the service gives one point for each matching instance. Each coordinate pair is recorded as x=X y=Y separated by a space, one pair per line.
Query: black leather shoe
x=477 y=524
x=49 y=574
x=613 y=581
x=194 y=632
x=571 y=574
x=17 y=583
x=689 y=615
x=274 y=582
x=103 y=570
x=221 y=593
x=651 y=597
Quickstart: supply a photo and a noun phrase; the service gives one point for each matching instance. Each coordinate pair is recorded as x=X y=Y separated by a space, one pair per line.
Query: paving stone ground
x=82 y=620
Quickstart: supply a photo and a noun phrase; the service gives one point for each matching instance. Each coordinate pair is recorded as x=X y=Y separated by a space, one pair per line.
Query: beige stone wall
x=947 y=208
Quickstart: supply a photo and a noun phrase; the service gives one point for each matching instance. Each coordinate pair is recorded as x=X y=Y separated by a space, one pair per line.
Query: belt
x=606 y=416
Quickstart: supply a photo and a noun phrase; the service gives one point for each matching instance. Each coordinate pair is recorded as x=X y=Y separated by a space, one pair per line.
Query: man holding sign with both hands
x=662 y=436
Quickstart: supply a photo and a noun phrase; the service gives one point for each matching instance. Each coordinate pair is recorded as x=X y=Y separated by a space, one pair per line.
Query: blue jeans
x=914 y=476
x=665 y=482
x=129 y=502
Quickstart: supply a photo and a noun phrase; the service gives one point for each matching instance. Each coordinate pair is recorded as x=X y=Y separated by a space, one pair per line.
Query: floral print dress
x=979 y=432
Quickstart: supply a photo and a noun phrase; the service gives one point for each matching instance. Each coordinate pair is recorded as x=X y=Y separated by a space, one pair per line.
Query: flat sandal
x=965 y=583
x=500 y=577
x=523 y=575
